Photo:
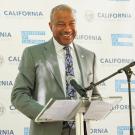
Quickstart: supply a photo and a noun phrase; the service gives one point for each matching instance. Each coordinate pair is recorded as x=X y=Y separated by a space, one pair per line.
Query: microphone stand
x=128 y=73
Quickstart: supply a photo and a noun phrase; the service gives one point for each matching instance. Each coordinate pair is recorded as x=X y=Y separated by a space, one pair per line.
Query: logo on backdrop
x=33 y=37
x=26 y=131
x=89 y=15
x=113 y=16
x=1 y=60
x=6 y=132
x=6 y=84
x=121 y=86
x=122 y=107
x=123 y=130
x=115 y=61
x=11 y=59
x=21 y=13
x=88 y=37
x=2 y=109
x=4 y=35
x=96 y=39
x=99 y=131
x=14 y=59
x=122 y=40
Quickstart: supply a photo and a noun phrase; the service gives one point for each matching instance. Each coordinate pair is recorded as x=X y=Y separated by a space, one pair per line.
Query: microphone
x=128 y=66
x=71 y=80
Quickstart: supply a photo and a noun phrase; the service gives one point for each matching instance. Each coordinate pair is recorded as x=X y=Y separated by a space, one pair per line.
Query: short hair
x=61 y=7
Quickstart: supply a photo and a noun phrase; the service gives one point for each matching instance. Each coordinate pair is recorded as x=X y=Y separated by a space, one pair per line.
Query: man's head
x=62 y=24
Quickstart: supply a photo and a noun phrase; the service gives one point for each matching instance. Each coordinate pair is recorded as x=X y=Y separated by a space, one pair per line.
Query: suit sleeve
x=21 y=96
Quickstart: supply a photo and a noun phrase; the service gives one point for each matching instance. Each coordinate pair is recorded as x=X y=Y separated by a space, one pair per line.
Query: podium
x=79 y=110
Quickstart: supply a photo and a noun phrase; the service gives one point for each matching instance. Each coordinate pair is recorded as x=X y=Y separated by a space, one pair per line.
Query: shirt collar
x=60 y=47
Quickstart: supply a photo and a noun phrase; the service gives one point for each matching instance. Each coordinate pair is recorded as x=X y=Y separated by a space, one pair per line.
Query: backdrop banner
x=106 y=27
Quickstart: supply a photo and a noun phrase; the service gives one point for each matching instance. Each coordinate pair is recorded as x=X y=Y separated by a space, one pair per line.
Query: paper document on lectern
x=99 y=109
x=58 y=110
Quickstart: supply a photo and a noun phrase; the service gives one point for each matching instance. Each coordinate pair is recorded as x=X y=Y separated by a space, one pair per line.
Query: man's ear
x=50 y=25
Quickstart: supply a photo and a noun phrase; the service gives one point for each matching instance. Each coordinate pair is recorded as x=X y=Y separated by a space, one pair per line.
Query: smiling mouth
x=67 y=35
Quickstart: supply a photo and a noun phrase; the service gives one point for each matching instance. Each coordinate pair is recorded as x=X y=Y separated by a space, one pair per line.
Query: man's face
x=63 y=27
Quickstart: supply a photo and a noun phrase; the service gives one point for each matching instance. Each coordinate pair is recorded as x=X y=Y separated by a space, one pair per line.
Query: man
x=42 y=71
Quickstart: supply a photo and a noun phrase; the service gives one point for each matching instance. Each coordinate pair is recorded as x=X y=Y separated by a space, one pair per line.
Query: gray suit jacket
x=39 y=80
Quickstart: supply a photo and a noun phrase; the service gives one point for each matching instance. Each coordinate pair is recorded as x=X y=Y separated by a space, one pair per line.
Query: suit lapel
x=82 y=63
x=53 y=66
x=52 y=62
